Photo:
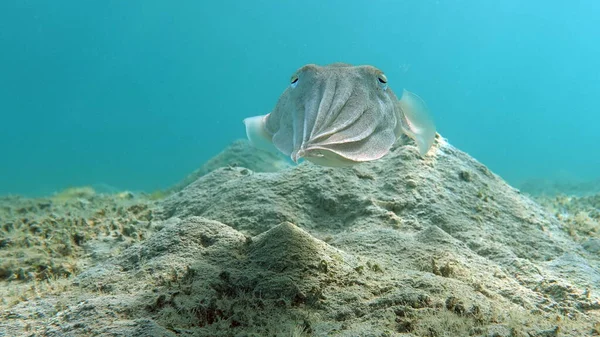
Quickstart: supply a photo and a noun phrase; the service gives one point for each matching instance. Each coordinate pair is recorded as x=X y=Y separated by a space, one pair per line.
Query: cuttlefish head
x=336 y=115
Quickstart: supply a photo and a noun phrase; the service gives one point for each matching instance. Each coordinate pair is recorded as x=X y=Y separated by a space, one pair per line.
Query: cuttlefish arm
x=415 y=121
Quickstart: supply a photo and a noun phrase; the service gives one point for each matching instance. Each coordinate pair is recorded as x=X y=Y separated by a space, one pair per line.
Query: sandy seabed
x=251 y=246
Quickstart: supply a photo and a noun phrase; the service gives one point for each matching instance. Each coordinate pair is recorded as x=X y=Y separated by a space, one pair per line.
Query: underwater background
x=137 y=94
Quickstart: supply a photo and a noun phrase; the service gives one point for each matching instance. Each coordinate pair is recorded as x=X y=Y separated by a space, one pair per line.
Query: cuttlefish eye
x=382 y=79
x=294 y=81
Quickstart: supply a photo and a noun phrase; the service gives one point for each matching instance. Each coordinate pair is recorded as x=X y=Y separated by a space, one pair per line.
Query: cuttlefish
x=341 y=115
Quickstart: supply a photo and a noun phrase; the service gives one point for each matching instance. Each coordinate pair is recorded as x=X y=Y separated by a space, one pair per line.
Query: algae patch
x=46 y=239
x=580 y=214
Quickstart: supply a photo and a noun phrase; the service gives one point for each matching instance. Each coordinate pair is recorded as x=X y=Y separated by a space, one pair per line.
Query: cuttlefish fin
x=256 y=133
x=416 y=121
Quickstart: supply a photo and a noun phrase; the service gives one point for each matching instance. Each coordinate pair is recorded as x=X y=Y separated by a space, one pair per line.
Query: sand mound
x=404 y=246
x=239 y=154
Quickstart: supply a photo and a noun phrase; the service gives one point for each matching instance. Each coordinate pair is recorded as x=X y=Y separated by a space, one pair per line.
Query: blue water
x=136 y=94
